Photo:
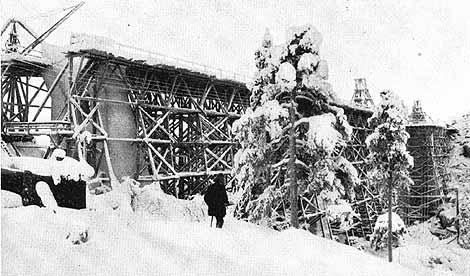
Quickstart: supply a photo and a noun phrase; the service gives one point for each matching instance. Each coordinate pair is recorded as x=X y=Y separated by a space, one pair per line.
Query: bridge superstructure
x=154 y=122
x=157 y=118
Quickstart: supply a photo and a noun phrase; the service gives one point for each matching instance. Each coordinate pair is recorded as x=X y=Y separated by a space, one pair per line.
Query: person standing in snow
x=217 y=200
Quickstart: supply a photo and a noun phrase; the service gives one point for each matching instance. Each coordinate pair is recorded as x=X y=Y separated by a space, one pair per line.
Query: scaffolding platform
x=38 y=128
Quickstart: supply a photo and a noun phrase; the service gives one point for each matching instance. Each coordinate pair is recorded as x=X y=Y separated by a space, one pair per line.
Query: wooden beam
x=83 y=124
x=207 y=89
x=112 y=176
x=149 y=151
x=219 y=159
x=163 y=108
x=214 y=127
x=232 y=97
x=161 y=158
x=77 y=106
x=49 y=92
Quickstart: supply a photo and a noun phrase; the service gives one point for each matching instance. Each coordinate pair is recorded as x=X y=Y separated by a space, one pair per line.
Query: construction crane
x=13 y=42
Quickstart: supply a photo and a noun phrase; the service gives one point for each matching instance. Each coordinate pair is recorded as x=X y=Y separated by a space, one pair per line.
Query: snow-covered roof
x=83 y=42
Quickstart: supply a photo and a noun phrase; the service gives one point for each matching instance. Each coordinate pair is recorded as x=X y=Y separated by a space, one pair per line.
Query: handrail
x=199 y=67
x=88 y=42
x=38 y=128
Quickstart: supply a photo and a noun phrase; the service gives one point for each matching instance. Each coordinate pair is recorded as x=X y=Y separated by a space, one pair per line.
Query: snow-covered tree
x=379 y=238
x=293 y=68
x=265 y=74
x=388 y=155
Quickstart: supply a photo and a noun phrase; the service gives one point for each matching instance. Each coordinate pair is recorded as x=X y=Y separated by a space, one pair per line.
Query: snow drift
x=35 y=241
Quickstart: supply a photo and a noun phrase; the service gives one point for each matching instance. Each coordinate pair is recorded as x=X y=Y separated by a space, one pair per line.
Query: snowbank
x=379 y=238
x=34 y=241
x=424 y=249
x=11 y=200
x=151 y=200
x=68 y=168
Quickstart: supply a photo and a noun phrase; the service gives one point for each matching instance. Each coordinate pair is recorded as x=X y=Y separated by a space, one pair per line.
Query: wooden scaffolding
x=177 y=122
x=361 y=96
x=430 y=147
x=28 y=83
x=367 y=202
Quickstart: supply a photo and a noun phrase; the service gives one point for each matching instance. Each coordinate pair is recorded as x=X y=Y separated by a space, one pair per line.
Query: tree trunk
x=294 y=219
x=390 y=234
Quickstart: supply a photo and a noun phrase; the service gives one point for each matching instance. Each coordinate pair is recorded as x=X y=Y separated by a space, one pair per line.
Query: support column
x=119 y=122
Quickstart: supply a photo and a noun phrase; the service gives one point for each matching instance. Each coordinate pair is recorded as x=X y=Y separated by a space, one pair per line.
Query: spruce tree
x=388 y=155
x=293 y=69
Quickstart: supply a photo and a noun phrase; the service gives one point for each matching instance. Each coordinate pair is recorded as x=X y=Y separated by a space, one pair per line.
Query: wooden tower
x=361 y=96
x=418 y=115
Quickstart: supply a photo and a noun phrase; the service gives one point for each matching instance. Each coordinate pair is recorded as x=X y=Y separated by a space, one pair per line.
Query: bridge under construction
x=132 y=112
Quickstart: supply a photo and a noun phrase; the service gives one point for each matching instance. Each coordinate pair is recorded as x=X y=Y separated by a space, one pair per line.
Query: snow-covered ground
x=37 y=241
x=421 y=249
x=424 y=249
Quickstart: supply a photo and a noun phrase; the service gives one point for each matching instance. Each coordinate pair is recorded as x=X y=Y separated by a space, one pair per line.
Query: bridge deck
x=15 y=64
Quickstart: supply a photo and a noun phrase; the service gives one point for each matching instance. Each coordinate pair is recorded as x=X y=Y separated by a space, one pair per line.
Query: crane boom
x=44 y=35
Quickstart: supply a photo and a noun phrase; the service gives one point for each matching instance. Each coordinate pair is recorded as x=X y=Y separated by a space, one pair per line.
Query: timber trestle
x=154 y=123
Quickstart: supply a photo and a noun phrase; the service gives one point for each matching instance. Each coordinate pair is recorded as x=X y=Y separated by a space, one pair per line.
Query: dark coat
x=216 y=199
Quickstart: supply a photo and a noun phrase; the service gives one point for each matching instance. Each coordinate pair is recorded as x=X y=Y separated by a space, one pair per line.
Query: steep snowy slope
x=36 y=241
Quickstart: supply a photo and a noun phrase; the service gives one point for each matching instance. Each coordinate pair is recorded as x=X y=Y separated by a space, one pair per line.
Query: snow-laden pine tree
x=388 y=155
x=261 y=163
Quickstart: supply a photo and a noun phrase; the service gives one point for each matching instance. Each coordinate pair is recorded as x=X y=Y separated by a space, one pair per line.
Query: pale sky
x=419 y=49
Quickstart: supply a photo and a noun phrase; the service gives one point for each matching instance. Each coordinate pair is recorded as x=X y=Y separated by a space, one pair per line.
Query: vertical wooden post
x=112 y=176
x=294 y=219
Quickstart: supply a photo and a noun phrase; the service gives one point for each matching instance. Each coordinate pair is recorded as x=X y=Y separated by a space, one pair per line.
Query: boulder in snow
x=447 y=215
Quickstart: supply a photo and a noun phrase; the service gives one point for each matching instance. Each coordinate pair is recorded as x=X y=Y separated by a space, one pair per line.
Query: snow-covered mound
x=379 y=238
x=68 y=168
x=151 y=200
x=424 y=249
x=36 y=241
x=11 y=200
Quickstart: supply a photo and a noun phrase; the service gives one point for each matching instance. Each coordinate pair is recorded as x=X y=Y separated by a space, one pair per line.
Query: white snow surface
x=307 y=62
x=83 y=41
x=69 y=167
x=45 y=193
x=286 y=74
x=37 y=241
x=424 y=249
x=11 y=200
x=321 y=133
x=382 y=222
